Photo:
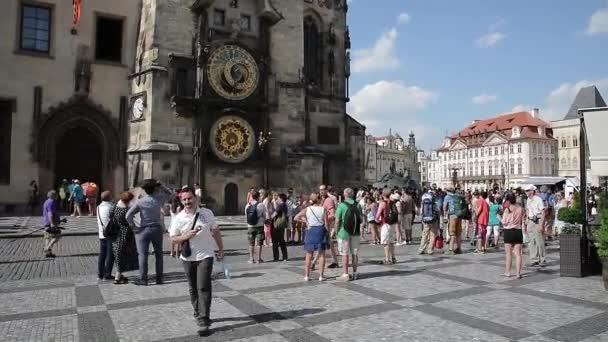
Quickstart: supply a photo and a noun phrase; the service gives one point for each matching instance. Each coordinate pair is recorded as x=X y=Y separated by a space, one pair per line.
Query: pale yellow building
x=63 y=94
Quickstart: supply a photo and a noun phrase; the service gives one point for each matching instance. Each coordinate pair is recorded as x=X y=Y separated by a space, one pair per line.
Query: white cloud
x=490 y=39
x=404 y=18
x=521 y=108
x=559 y=100
x=380 y=57
x=598 y=23
x=484 y=99
x=388 y=104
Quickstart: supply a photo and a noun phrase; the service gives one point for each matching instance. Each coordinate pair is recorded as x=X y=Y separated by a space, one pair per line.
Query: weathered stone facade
x=274 y=114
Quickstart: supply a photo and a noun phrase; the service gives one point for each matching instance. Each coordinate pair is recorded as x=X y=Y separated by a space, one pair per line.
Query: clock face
x=232 y=139
x=138 y=108
x=232 y=72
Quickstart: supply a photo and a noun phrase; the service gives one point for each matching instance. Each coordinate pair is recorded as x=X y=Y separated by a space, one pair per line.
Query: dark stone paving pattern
x=267 y=308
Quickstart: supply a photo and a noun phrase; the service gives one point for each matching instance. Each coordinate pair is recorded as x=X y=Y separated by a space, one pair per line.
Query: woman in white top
x=206 y=243
x=315 y=238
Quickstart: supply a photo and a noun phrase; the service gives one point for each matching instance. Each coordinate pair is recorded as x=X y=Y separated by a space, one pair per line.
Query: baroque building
x=391 y=154
x=567 y=133
x=64 y=94
x=241 y=94
x=503 y=151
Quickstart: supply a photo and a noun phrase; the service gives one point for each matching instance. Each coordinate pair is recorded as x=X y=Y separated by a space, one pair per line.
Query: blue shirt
x=50 y=207
x=77 y=193
x=494 y=215
x=149 y=209
x=449 y=200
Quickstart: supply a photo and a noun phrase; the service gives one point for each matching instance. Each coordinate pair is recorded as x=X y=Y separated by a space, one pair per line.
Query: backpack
x=280 y=222
x=458 y=205
x=428 y=210
x=252 y=214
x=392 y=215
x=352 y=220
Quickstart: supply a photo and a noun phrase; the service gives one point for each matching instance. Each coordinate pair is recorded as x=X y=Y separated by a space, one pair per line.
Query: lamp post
x=263 y=140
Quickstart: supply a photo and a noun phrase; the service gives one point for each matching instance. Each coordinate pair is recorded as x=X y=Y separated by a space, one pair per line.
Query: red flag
x=76 y=8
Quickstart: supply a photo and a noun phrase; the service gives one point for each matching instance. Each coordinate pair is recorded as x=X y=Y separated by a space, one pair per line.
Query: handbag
x=185 y=245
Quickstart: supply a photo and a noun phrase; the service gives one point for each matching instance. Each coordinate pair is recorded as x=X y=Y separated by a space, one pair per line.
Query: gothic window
x=574 y=141
x=313 y=52
x=219 y=17
x=35 y=28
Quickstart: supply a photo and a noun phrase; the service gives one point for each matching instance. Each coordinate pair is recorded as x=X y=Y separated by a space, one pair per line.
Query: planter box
x=572 y=255
x=577 y=257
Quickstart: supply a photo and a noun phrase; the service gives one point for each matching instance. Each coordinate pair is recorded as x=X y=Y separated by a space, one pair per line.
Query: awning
x=543 y=180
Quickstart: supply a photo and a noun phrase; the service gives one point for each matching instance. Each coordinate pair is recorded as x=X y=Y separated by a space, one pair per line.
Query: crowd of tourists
x=326 y=221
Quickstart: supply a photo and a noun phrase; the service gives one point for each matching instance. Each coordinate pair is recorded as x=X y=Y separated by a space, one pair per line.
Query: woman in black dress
x=125 y=250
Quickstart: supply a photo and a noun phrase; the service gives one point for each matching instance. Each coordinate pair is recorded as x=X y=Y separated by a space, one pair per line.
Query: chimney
x=535 y=113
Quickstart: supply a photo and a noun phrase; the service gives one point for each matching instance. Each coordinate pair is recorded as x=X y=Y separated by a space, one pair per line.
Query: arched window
x=313 y=51
x=574 y=141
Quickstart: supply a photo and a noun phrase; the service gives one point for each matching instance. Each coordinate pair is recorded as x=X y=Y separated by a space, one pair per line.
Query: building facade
x=503 y=151
x=63 y=94
x=230 y=94
x=424 y=162
x=567 y=133
x=391 y=154
x=242 y=94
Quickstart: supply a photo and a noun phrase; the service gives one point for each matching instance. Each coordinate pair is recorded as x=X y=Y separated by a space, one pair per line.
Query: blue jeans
x=143 y=239
x=106 y=259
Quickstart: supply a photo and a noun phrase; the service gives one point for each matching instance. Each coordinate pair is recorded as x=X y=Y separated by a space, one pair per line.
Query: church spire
x=412 y=140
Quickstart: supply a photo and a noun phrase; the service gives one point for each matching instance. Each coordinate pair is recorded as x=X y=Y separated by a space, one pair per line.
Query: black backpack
x=393 y=216
x=352 y=220
x=252 y=214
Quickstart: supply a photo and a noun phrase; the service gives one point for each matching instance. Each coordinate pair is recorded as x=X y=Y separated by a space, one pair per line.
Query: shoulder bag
x=185 y=245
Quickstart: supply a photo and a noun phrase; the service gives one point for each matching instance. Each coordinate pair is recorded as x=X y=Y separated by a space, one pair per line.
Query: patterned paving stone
x=531 y=313
x=590 y=288
x=47 y=329
x=402 y=325
x=129 y=293
x=537 y=338
x=96 y=327
x=487 y=273
x=412 y=286
x=254 y=278
x=38 y=300
x=576 y=331
x=265 y=338
x=282 y=325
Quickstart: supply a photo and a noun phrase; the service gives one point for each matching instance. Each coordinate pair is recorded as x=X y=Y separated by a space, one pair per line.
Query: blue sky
x=435 y=65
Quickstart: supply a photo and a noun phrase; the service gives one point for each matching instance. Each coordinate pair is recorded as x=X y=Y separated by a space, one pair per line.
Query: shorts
x=255 y=233
x=513 y=236
x=455 y=226
x=316 y=239
x=481 y=231
x=349 y=246
x=387 y=234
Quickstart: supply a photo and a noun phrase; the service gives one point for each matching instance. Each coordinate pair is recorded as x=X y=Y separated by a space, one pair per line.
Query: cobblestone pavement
x=421 y=298
x=20 y=226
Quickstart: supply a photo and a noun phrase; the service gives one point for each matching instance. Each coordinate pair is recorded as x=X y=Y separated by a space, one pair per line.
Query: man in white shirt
x=206 y=243
x=106 y=256
x=255 y=226
x=533 y=226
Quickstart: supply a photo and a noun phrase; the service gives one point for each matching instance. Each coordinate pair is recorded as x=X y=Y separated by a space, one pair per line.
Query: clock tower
x=240 y=94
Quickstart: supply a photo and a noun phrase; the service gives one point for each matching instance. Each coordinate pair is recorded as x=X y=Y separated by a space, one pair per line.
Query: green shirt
x=340 y=214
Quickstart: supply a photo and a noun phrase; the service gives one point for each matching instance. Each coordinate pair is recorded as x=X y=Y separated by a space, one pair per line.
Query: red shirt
x=484 y=212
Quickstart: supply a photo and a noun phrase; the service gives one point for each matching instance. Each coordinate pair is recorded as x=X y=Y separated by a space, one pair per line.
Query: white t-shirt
x=203 y=244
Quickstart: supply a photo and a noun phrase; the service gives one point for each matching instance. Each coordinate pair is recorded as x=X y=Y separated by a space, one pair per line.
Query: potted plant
x=572 y=253
x=600 y=237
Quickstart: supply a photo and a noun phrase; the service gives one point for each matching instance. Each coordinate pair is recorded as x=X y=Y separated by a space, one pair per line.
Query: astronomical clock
x=232 y=72
x=234 y=76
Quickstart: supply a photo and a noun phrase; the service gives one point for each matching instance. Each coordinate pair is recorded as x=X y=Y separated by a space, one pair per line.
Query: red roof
x=504 y=123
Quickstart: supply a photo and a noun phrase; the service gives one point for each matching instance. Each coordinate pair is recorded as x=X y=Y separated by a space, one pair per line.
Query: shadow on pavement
x=263 y=318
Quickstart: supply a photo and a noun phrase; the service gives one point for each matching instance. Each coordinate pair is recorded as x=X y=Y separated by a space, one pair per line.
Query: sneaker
x=333 y=265
x=321 y=278
x=251 y=261
x=344 y=277
x=306 y=279
x=203 y=330
x=284 y=260
x=477 y=251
